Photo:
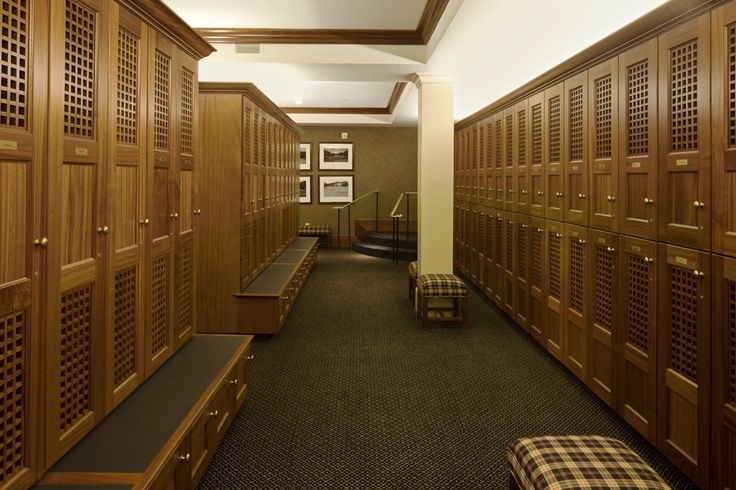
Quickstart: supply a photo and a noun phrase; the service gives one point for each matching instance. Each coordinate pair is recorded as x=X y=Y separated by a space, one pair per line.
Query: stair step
x=387 y=239
x=384 y=251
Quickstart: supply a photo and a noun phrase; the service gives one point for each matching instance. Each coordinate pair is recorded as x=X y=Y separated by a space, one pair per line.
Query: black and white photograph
x=337 y=189
x=305 y=189
x=305 y=156
x=336 y=156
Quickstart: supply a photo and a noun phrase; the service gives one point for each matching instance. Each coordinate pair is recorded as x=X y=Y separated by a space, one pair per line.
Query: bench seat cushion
x=445 y=285
x=315 y=229
x=563 y=462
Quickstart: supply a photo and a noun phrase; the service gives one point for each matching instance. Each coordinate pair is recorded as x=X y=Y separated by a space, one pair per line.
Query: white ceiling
x=478 y=43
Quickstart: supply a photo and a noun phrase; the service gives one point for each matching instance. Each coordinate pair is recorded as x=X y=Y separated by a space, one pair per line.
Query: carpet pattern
x=353 y=394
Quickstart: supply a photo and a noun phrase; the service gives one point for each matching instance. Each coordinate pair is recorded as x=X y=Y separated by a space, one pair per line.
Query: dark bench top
x=76 y=486
x=271 y=281
x=291 y=257
x=303 y=243
x=129 y=438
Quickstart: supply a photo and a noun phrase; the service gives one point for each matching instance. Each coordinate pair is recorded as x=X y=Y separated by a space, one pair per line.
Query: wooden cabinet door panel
x=499 y=167
x=554 y=107
x=576 y=151
x=521 y=268
x=509 y=159
x=481 y=247
x=523 y=149
x=485 y=172
x=489 y=272
x=536 y=179
x=637 y=127
x=499 y=243
x=576 y=299
x=555 y=289
x=509 y=264
x=538 y=281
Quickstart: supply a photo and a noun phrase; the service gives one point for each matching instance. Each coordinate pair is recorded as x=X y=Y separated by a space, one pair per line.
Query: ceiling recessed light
x=299 y=102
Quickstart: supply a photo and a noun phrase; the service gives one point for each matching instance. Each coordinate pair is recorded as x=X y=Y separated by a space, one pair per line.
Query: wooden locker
x=498 y=161
x=637 y=127
x=468 y=230
x=683 y=375
x=482 y=244
x=25 y=241
x=723 y=68
x=537 y=281
x=637 y=339
x=576 y=150
x=684 y=135
x=498 y=257
x=474 y=229
x=489 y=272
x=78 y=221
x=509 y=264
x=124 y=311
x=577 y=301
x=553 y=173
x=555 y=289
x=457 y=242
x=724 y=372
x=509 y=159
x=603 y=322
x=457 y=176
x=536 y=161
x=521 y=268
x=523 y=152
x=485 y=172
x=474 y=163
x=247 y=202
x=603 y=120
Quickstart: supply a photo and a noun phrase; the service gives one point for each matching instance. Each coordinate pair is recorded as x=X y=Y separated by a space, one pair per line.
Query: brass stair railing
x=349 y=207
x=395 y=217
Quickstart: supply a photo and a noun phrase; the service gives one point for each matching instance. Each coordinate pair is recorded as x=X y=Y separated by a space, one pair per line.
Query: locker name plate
x=81 y=151
x=636 y=248
x=636 y=165
x=8 y=145
x=681 y=162
x=681 y=260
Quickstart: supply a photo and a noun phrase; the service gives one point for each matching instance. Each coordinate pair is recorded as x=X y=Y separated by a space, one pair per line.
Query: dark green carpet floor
x=353 y=394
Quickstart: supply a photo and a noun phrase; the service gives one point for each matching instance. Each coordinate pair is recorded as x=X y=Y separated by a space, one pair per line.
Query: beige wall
x=383 y=158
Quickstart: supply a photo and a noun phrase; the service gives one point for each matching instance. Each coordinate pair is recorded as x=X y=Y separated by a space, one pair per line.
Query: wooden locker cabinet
x=467 y=238
x=723 y=69
x=474 y=163
x=458 y=238
x=485 y=171
x=481 y=247
x=603 y=113
x=603 y=319
x=488 y=271
x=474 y=250
x=576 y=299
x=576 y=150
x=637 y=335
x=637 y=144
x=555 y=289
x=536 y=164
x=521 y=269
x=499 y=246
x=522 y=128
x=509 y=159
x=509 y=264
x=538 y=281
x=724 y=372
x=684 y=135
x=683 y=375
x=499 y=167
x=554 y=107
x=24 y=257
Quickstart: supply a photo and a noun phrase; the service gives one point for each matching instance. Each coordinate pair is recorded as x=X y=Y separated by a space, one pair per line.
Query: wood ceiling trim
x=431 y=15
x=389 y=109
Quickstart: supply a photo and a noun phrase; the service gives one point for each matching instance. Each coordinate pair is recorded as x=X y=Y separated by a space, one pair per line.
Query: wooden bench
x=166 y=432
x=323 y=232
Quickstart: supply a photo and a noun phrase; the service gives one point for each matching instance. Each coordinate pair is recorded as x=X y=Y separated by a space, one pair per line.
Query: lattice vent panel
x=79 y=70
x=245 y=247
x=256 y=138
x=161 y=100
x=521 y=121
x=684 y=333
x=14 y=64
x=75 y=369
x=127 y=103
x=554 y=129
x=509 y=140
x=499 y=145
x=537 y=134
x=248 y=138
x=510 y=252
x=732 y=86
x=483 y=148
x=186 y=119
x=603 y=117
x=577 y=261
x=537 y=260
x=124 y=325
x=490 y=148
x=732 y=341
x=489 y=238
x=637 y=107
x=160 y=304
x=522 y=251
x=263 y=142
x=555 y=271
x=185 y=289
x=499 y=241
x=684 y=97
x=13 y=421
x=638 y=308
x=474 y=154
x=576 y=123
x=603 y=313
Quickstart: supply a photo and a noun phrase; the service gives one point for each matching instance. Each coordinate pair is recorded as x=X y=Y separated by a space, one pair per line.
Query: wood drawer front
x=202 y=448
x=241 y=379
x=220 y=410
x=175 y=475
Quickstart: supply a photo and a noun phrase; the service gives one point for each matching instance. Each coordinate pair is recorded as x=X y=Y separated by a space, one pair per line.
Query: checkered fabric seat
x=413 y=269
x=315 y=229
x=565 y=462
x=445 y=285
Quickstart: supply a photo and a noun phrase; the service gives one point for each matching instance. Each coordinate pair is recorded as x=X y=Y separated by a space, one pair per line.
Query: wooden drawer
x=175 y=474
x=240 y=379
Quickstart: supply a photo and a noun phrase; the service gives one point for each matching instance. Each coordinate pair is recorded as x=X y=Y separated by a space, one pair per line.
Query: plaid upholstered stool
x=557 y=462
x=413 y=270
x=442 y=286
x=324 y=232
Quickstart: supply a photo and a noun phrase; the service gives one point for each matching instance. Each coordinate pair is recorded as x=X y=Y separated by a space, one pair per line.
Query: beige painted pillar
x=435 y=173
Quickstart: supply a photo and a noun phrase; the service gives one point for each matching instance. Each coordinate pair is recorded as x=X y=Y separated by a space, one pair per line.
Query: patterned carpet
x=353 y=394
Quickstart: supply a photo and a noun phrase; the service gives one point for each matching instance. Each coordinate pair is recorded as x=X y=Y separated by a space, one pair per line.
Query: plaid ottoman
x=442 y=286
x=324 y=232
x=562 y=462
x=413 y=270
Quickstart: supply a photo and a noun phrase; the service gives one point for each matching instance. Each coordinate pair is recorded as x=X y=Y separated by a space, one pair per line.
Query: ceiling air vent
x=248 y=48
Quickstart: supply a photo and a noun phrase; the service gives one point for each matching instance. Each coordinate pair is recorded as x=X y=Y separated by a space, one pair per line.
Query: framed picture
x=337 y=188
x=305 y=156
x=336 y=156
x=305 y=189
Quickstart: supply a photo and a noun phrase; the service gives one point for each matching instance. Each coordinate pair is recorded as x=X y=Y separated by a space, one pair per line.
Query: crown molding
x=388 y=109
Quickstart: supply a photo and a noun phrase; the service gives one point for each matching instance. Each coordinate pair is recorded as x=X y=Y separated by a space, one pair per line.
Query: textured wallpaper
x=384 y=159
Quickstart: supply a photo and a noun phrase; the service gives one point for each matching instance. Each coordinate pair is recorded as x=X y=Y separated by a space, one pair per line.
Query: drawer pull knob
x=582 y=196
x=186 y=458
x=145 y=221
x=250 y=357
x=698 y=204
x=41 y=242
x=648 y=260
x=648 y=201
x=698 y=274
x=558 y=194
x=214 y=414
x=233 y=381
x=610 y=249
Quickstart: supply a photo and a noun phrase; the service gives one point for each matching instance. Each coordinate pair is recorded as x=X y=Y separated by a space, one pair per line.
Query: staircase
x=380 y=245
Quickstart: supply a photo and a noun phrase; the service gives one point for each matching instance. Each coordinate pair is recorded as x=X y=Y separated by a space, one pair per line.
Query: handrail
x=349 y=207
x=398 y=202
x=395 y=222
x=355 y=200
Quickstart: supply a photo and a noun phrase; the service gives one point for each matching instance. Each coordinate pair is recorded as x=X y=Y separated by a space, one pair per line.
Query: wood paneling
x=522 y=269
x=577 y=309
x=554 y=108
x=537 y=155
x=576 y=150
x=555 y=288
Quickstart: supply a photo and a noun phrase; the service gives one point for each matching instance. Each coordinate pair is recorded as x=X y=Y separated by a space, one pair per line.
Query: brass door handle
x=558 y=194
x=186 y=458
x=103 y=230
x=648 y=201
x=540 y=193
x=214 y=414
x=145 y=221
x=647 y=260
x=41 y=242
x=524 y=226
x=250 y=357
x=610 y=249
x=610 y=198
x=699 y=204
x=698 y=274
x=582 y=196
x=233 y=381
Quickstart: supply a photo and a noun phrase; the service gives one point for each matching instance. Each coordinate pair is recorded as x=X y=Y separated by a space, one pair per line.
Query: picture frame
x=305 y=156
x=336 y=156
x=335 y=189
x=305 y=189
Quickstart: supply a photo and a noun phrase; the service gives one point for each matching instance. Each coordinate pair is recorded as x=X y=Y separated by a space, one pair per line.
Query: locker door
x=724 y=371
x=638 y=142
x=259 y=191
x=521 y=268
x=485 y=165
x=637 y=341
x=523 y=147
x=247 y=201
x=472 y=265
x=576 y=152
x=474 y=163
x=603 y=93
x=509 y=264
x=467 y=239
x=482 y=219
x=509 y=159
x=603 y=316
x=555 y=289
x=458 y=227
x=79 y=220
x=536 y=164
x=23 y=255
x=125 y=316
x=490 y=250
x=684 y=135
x=554 y=181
x=537 y=281
x=577 y=300
x=724 y=129
x=683 y=378
x=498 y=161
x=498 y=253
x=457 y=182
